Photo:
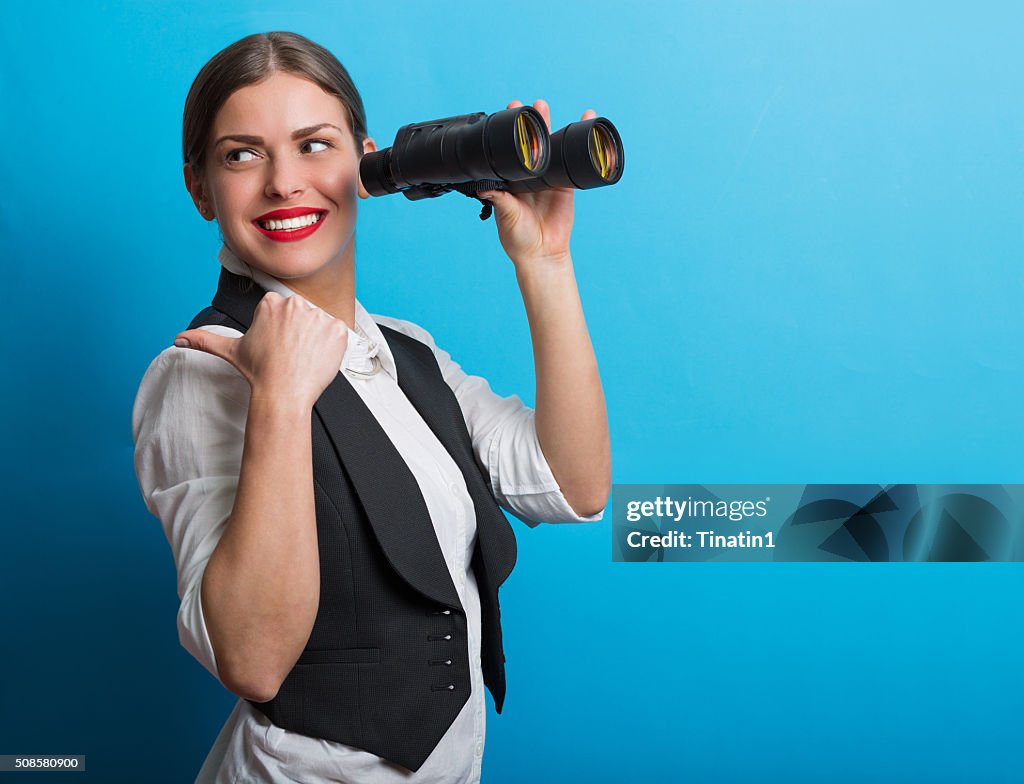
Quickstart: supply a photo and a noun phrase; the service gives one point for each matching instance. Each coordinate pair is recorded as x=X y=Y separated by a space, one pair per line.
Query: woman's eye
x=241 y=156
x=322 y=145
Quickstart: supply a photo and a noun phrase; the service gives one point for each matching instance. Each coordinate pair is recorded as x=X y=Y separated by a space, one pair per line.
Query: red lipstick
x=290 y=235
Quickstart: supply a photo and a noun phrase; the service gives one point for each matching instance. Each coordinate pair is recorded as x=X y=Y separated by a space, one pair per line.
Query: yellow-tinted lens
x=602 y=152
x=528 y=141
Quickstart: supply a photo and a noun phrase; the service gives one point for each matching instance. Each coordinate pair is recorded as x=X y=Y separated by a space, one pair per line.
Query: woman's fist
x=292 y=351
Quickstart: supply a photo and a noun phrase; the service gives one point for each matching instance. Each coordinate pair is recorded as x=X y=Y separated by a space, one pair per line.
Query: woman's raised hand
x=535 y=227
x=291 y=352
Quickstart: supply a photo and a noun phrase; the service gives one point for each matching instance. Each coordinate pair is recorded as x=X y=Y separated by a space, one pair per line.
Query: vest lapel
x=386 y=487
x=418 y=374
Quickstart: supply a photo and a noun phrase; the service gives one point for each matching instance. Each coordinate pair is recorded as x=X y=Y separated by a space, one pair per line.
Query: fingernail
x=182 y=343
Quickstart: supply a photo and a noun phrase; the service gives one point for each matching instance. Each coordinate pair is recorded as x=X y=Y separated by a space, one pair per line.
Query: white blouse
x=188 y=423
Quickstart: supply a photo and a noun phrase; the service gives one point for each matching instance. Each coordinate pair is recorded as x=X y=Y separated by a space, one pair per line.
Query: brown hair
x=250 y=60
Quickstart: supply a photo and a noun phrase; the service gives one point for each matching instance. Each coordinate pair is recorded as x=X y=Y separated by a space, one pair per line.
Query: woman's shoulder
x=174 y=362
x=190 y=378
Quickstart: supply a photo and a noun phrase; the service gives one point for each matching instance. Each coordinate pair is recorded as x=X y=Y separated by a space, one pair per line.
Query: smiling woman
x=331 y=482
x=307 y=150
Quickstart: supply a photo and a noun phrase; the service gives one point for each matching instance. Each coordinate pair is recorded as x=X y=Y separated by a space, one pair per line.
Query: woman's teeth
x=290 y=224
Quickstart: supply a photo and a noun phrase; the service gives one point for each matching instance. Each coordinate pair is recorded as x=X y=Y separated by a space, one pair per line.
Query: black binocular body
x=510 y=150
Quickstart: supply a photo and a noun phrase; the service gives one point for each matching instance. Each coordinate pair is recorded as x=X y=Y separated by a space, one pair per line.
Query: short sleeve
x=188 y=425
x=504 y=435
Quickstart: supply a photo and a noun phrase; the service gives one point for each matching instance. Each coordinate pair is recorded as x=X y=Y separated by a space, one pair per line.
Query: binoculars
x=510 y=150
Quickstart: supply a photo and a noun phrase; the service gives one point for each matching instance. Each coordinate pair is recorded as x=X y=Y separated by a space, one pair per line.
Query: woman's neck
x=332 y=289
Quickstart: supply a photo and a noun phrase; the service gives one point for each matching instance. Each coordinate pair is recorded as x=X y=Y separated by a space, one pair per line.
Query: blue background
x=810 y=272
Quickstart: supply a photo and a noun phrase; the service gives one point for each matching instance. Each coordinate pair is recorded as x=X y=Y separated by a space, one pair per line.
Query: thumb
x=506 y=206
x=203 y=340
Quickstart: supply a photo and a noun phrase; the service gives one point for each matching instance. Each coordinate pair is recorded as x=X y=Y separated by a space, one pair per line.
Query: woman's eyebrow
x=243 y=139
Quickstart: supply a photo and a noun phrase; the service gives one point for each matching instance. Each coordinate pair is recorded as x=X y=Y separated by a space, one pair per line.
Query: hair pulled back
x=251 y=60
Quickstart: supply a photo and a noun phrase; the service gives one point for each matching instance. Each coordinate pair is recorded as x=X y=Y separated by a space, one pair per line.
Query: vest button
x=448 y=662
x=446 y=612
x=447 y=636
x=451 y=687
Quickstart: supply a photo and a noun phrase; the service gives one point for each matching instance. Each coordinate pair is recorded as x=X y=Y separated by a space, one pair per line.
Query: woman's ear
x=369 y=145
x=194 y=184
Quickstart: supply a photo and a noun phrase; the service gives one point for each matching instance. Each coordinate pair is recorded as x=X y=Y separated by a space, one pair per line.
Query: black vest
x=386 y=666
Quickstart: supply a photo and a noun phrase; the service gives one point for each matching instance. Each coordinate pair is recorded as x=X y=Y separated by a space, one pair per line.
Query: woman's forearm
x=572 y=421
x=261 y=588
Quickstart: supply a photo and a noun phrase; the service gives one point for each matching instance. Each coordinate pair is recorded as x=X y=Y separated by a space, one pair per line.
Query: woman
x=336 y=533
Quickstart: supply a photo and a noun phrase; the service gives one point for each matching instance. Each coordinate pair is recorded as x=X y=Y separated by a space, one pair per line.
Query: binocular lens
x=603 y=152
x=585 y=154
x=530 y=140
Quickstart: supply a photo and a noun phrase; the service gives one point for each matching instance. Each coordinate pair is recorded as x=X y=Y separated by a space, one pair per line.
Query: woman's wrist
x=543 y=268
x=280 y=402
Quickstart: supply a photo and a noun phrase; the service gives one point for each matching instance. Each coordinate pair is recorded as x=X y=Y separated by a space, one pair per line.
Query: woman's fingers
x=293 y=347
x=545 y=111
x=540 y=105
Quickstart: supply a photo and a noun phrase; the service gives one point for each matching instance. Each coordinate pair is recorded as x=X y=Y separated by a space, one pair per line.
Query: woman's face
x=282 y=150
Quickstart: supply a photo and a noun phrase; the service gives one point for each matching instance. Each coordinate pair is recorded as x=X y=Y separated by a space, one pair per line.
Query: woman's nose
x=284 y=180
